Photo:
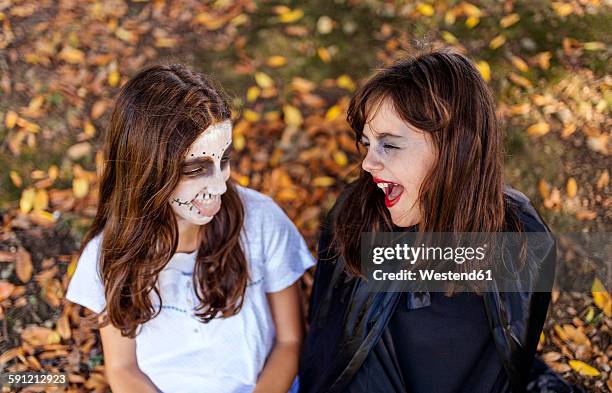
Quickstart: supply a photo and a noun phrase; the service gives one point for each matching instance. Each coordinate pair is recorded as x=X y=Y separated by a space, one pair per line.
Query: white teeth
x=382 y=186
x=208 y=197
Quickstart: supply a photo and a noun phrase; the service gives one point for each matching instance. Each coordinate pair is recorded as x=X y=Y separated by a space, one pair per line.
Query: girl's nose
x=371 y=163
x=217 y=184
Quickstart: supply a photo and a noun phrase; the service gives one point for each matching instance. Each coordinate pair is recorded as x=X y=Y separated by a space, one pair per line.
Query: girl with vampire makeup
x=194 y=279
x=432 y=163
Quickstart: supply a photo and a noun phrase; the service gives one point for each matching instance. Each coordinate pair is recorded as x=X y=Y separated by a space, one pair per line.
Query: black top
x=444 y=345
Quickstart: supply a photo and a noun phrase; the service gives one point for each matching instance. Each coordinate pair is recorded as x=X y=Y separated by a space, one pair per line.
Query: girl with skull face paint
x=195 y=280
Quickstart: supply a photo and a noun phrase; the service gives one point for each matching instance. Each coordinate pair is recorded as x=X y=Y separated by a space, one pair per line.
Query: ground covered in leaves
x=290 y=72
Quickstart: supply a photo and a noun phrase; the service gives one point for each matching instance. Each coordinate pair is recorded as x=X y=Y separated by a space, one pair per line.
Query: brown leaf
x=6 y=289
x=23 y=265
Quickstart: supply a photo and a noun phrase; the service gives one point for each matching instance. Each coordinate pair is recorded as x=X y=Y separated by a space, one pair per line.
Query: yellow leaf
x=36 y=103
x=425 y=9
x=538 y=129
x=10 y=119
x=80 y=187
x=485 y=70
x=243 y=181
x=471 y=9
x=450 y=17
x=562 y=9
x=345 y=82
x=89 y=129
x=28 y=125
x=125 y=35
x=276 y=61
x=72 y=55
x=520 y=80
x=72 y=266
x=333 y=113
x=26 y=203
x=239 y=19
x=251 y=116
x=165 y=42
x=509 y=20
x=324 y=55
x=601 y=297
x=113 y=78
x=53 y=172
x=340 y=158
x=323 y=181
x=41 y=200
x=572 y=187
x=263 y=80
x=520 y=109
x=519 y=64
x=211 y=22
x=293 y=116
x=252 y=93
x=449 y=37
x=594 y=46
x=472 y=21
x=15 y=178
x=497 y=41
x=583 y=369
x=239 y=142
x=543 y=60
x=544 y=189
x=291 y=16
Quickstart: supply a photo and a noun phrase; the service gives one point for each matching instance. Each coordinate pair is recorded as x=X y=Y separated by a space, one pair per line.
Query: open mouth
x=393 y=191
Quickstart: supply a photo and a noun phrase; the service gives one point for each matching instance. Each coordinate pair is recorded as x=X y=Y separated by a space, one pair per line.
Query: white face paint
x=197 y=197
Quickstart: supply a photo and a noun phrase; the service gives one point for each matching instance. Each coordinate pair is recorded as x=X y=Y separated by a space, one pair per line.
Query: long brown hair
x=158 y=114
x=442 y=93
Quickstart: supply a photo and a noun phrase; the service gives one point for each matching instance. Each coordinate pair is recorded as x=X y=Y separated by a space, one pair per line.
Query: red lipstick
x=393 y=191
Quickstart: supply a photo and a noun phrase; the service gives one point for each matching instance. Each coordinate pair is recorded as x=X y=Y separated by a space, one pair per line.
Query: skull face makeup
x=197 y=197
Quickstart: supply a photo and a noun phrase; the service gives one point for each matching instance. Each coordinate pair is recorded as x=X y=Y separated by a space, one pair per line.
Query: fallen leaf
x=425 y=9
x=509 y=20
x=291 y=16
x=572 y=187
x=276 y=61
x=292 y=115
x=601 y=297
x=80 y=187
x=23 y=265
x=10 y=119
x=484 y=69
x=583 y=368
x=603 y=180
x=263 y=80
x=26 y=202
x=497 y=41
x=538 y=129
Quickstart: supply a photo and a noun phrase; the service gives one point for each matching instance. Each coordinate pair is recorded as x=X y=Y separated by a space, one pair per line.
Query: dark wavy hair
x=442 y=93
x=158 y=114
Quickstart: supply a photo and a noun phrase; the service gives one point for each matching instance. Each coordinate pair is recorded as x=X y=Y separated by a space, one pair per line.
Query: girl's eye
x=196 y=172
x=387 y=146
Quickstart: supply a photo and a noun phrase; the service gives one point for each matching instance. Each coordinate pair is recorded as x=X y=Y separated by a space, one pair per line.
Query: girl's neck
x=189 y=237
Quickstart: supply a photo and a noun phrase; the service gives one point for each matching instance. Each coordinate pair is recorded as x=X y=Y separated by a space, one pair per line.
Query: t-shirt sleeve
x=85 y=287
x=286 y=253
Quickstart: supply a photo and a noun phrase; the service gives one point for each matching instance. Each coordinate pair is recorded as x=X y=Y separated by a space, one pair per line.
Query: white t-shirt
x=177 y=351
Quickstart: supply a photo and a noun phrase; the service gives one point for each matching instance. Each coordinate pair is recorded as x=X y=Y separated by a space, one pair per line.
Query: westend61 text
x=432 y=275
